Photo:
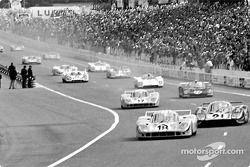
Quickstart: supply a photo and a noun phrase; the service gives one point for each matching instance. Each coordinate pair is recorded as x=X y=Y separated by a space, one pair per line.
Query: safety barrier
x=227 y=80
x=4 y=70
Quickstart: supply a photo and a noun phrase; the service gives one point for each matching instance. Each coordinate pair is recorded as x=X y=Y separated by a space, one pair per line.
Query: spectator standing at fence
x=24 y=76
x=12 y=75
x=30 y=76
x=208 y=66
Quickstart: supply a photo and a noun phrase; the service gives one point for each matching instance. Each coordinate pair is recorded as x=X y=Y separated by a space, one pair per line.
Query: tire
x=247 y=117
x=242 y=120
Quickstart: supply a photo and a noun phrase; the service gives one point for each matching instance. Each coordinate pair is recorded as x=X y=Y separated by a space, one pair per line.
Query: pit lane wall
x=187 y=75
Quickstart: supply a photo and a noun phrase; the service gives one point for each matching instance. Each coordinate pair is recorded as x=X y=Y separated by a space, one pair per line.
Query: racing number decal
x=197 y=92
x=215 y=115
x=163 y=127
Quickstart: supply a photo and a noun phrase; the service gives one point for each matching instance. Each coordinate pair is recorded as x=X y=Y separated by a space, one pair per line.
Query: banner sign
x=54 y=11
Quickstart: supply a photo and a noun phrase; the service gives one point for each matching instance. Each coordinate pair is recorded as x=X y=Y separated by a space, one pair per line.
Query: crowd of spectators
x=194 y=33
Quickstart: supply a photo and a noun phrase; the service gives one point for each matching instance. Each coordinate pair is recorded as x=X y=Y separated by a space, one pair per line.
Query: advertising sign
x=54 y=11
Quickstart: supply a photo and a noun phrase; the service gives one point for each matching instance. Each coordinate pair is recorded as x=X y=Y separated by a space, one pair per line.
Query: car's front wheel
x=244 y=118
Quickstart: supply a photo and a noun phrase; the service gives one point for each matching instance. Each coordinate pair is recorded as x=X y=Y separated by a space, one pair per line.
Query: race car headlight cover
x=142 y=128
x=186 y=91
x=183 y=125
x=127 y=100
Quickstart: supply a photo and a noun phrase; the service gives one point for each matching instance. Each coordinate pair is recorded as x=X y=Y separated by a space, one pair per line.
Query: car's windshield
x=165 y=117
x=139 y=94
x=218 y=106
x=196 y=84
x=99 y=63
x=147 y=76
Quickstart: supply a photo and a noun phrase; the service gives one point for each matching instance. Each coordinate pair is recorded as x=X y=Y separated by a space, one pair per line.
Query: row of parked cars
x=161 y=123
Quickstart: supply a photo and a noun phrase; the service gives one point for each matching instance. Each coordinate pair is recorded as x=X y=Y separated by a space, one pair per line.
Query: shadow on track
x=157 y=138
x=213 y=124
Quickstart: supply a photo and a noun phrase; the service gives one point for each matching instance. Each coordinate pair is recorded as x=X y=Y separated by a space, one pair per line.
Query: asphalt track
x=39 y=127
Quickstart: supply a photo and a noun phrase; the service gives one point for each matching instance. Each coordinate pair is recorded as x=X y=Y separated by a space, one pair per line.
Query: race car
x=166 y=123
x=119 y=72
x=31 y=60
x=1 y=48
x=76 y=76
x=140 y=98
x=222 y=110
x=195 y=89
x=149 y=80
x=98 y=66
x=63 y=69
x=16 y=47
x=51 y=56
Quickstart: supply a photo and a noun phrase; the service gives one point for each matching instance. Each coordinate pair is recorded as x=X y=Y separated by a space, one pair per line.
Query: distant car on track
x=31 y=60
x=119 y=72
x=223 y=110
x=195 y=89
x=148 y=80
x=166 y=123
x=140 y=98
x=16 y=47
x=51 y=56
x=1 y=48
x=98 y=66
x=63 y=69
x=76 y=76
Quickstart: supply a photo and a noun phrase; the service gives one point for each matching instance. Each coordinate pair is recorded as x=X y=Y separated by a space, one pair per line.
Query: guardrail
x=4 y=70
x=227 y=80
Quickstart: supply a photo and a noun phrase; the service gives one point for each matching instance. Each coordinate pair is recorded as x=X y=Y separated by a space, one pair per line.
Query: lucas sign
x=47 y=12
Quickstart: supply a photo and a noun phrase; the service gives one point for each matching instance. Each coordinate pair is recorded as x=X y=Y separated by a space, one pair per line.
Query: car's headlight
x=153 y=99
x=143 y=128
x=68 y=77
x=127 y=100
x=209 y=91
x=183 y=125
x=237 y=110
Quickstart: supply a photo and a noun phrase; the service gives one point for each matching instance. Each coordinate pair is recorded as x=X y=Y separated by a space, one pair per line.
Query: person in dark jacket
x=30 y=77
x=24 y=76
x=12 y=74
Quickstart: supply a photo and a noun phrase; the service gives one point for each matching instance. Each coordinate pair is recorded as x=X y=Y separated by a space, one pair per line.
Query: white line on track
x=208 y=164
x=225 y=134
x=112 y=127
